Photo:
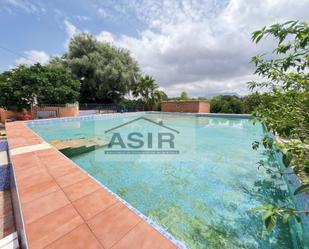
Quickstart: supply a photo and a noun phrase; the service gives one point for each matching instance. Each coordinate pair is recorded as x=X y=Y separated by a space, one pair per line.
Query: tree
x=148 y=90
x=184 y=96
x=226 y=104
x=284 y=108
x=22 y=86
x=251 y=102
x=106 y=73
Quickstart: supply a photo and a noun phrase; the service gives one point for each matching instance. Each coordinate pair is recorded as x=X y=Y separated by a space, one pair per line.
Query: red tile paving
x=94 y=203
x=81 y=189
x=71 y=178
x=80 y=238
x=134 y=239
x=53 y=226
x=62 y=207
x=113 y=224
x=40 y=207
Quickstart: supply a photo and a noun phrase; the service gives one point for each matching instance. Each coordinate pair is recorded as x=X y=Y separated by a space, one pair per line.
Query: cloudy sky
x=199 y=46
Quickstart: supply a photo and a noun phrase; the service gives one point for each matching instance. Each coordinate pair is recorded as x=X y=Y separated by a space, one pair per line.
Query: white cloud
x=71 y=30
x=24 y=5
x=32 y=57
x=105 y=36
x=202 y=46
x=102 y=12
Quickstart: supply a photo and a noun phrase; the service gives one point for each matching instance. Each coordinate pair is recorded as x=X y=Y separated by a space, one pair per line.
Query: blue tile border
x=301 y=201
x=33 y=123
x=4 y=169
x=5 y=177
x=292 y=181
x=210 y=115
x=3 y=145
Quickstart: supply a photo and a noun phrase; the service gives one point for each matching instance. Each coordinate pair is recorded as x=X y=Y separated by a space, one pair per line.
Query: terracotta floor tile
x=94 y=203
x=25 y=181
x=80 y=238
x=37 y=191
x=112 y=224
x=16 y=142
x=71 y=178
x=81 y=189
x=43 y=206
x=29 y=171
x=25 y=160
x=62 y=170
x=32 y=140
x=54 y=160
x=49 y=228
x=143 y=236
x=47 y=152
x=27 y=164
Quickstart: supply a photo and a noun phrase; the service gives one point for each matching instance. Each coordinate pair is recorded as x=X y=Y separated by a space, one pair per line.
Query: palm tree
x=148 y=90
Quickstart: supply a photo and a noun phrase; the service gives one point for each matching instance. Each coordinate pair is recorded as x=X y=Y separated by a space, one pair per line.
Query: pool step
x=75 y=147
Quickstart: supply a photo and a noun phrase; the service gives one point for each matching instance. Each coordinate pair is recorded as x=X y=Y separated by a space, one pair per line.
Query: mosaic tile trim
x=33 y=123
x=3 y=145
x=4 y=169
x=5 y=177
x=210 y=115
x=301 y=200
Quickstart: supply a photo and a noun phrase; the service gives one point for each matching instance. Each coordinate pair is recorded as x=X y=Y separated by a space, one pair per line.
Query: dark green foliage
x=226 y=104
x=106 y=73
x=251 y=102
x=22 y=86
x=148 y=90
x=284 y=108
x=234 y=104
x=184 y=96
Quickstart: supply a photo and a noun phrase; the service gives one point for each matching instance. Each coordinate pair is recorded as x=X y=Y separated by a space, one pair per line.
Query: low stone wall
x=70 y=110
x=186 y=106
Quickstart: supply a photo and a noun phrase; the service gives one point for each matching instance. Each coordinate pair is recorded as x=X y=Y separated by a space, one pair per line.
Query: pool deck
x=62 y=207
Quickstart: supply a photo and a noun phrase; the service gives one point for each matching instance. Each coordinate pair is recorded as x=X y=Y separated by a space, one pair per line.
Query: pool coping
x=18 y=209
x=31 y=123
x=302 y=199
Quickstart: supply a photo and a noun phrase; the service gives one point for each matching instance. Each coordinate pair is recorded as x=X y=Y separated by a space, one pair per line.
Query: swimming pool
x=201 y=187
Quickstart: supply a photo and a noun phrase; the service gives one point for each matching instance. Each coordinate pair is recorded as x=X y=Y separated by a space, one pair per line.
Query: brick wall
x=186 y=106
x=67 y=111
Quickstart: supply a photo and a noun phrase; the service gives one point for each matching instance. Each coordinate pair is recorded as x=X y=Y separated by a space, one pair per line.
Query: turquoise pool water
x=204 y=195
